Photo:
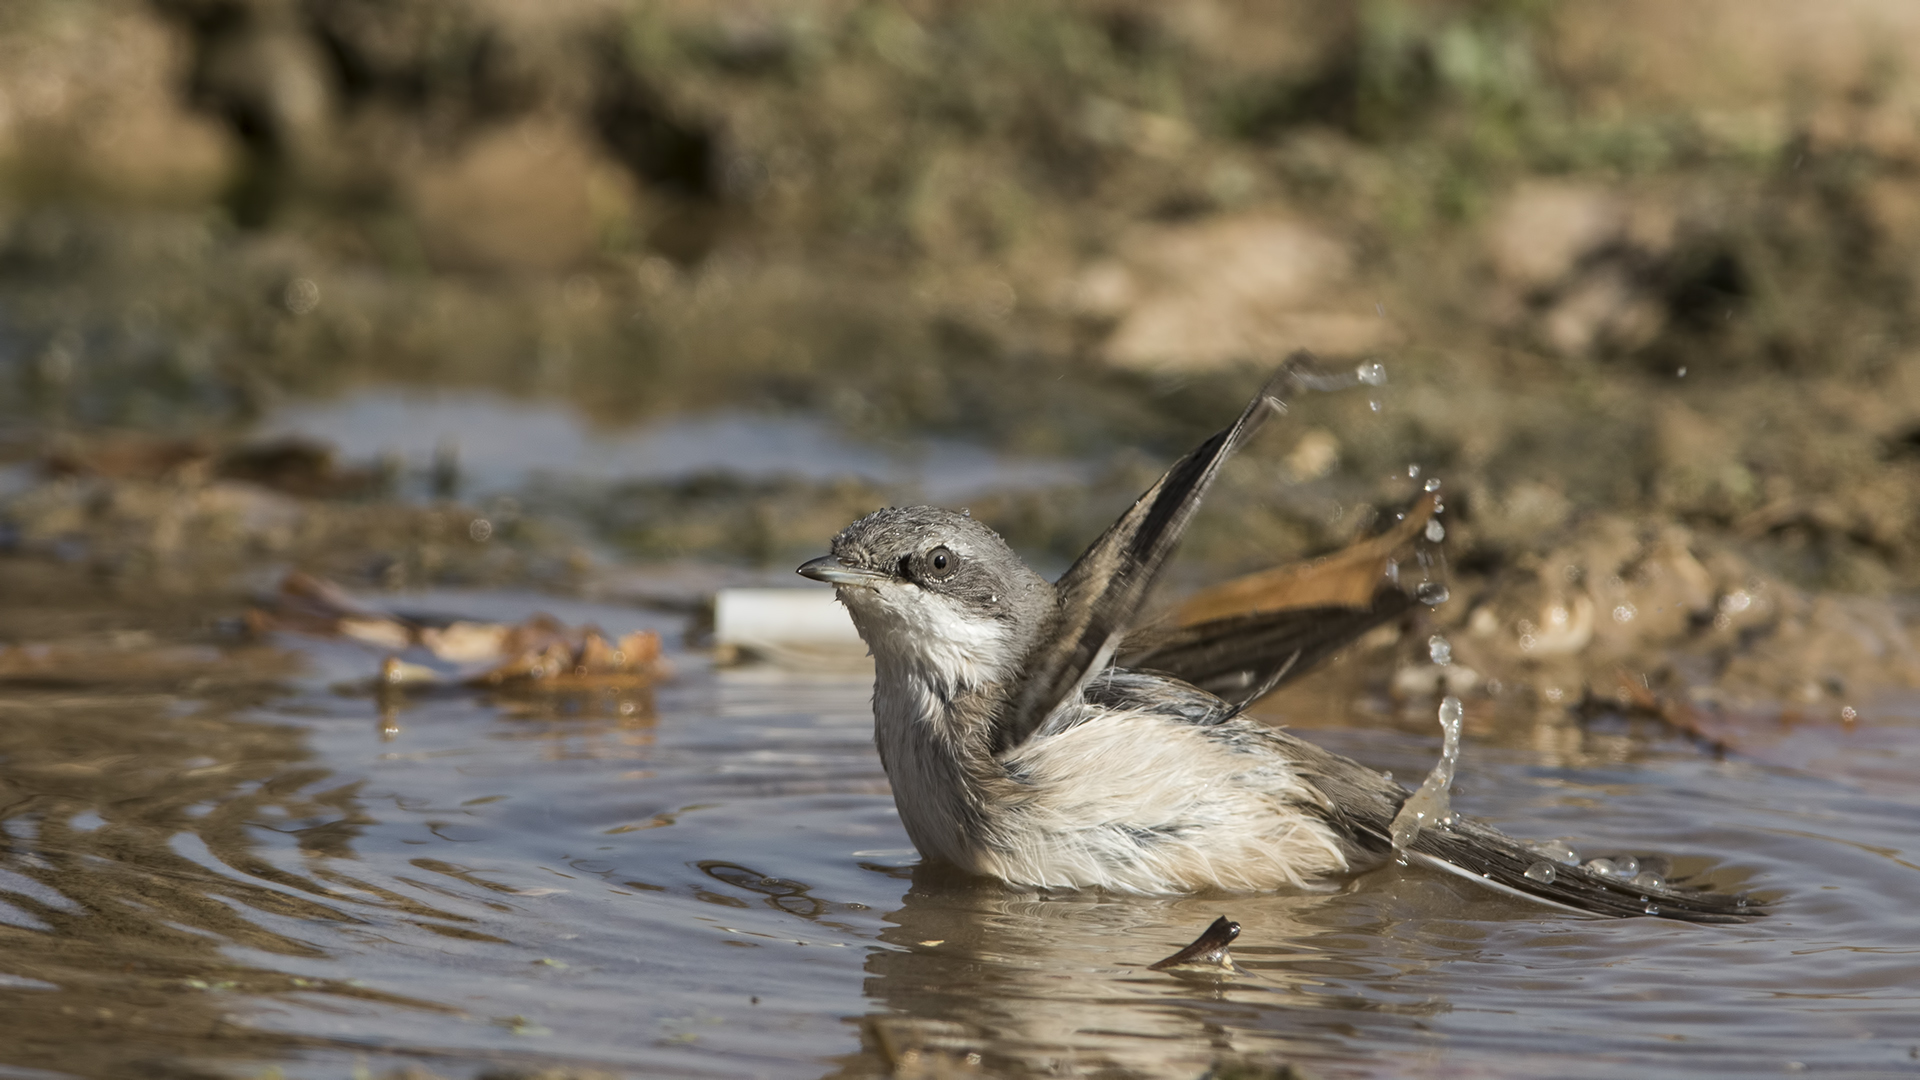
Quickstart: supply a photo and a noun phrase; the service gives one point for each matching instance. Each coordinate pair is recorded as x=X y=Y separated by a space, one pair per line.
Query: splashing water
x=1431 y=804
x=1439 y=650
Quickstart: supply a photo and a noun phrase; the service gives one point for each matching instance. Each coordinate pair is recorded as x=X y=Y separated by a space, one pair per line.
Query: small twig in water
x=1209 y=950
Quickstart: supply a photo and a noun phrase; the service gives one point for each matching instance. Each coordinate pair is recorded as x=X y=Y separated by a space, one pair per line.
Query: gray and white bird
x=1018 y=749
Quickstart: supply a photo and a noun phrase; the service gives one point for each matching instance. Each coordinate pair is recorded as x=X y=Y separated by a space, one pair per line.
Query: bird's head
x=939 y=591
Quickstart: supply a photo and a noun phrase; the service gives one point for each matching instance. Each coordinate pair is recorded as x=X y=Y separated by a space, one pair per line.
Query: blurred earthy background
x=638 y=297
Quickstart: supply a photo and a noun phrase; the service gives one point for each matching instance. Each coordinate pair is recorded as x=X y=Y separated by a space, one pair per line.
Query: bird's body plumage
x=1018 y=750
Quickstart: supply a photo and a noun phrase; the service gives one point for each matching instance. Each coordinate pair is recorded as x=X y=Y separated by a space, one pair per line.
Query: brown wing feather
x=1240 y=657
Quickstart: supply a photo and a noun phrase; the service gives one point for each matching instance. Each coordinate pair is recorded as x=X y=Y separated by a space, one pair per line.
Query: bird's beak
x=834 y=572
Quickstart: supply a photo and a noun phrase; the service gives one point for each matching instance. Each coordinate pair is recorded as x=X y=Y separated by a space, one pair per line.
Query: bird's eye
x=941 y=562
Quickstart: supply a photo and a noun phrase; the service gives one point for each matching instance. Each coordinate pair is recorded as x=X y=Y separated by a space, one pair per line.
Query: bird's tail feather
x=1486 y=856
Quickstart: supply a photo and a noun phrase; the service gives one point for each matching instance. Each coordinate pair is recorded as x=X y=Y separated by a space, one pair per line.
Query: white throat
x=921 y=636
x=928 y=651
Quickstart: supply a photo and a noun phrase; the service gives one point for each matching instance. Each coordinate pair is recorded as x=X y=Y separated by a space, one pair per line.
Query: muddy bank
x=1650 y=320
x=1593 y=615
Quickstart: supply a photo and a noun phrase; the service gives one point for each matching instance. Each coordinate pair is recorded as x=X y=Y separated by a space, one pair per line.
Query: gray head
x=937 y=590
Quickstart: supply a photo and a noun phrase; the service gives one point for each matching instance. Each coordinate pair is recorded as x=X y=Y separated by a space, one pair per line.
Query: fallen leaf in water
x=385 y=633
x=397 y=672
x=538 y=653
x=465 y=642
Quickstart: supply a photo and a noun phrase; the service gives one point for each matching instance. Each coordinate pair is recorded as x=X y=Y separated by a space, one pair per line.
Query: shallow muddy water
x=216 y=861
x=501 y=446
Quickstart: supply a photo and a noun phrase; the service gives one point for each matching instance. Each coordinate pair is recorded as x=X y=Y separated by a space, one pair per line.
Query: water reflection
x=129 y=876
x=613 y=723
x=1022 y=983
x=709 y=878
x=493 y=444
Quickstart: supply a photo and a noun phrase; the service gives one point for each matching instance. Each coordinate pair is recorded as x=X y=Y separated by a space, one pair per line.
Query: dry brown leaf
x=1346 y=578
x=538 y=653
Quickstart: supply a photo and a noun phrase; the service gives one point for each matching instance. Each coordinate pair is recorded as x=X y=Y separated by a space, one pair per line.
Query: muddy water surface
x=216 y=862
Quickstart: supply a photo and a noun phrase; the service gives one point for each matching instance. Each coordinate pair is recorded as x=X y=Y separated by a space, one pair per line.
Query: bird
x=1019 y=747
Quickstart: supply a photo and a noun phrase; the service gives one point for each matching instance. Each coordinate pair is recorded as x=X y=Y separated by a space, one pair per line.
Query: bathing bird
x=1026 y=740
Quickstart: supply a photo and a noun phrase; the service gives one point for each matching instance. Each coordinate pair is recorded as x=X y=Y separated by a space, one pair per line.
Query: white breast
x=926 y=653
x=1140 y=802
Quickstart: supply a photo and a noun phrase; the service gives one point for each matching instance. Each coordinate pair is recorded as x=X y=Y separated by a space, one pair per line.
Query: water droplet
x=1374 y=405
x=1433 y=484
x=1647 y=879
x=1653 y=909
x=1541 y=872
x=1682 y=372
x=1603 y=867
x=1431 y=803
x=1436 y=532
x=1372 y=374
x=1432 y=593
x=1625 y=613
x=300 y=296
x=1439 y=650
x=1626 y=866
x=1848 y=714
x=1413 y=471
x=1741 y=902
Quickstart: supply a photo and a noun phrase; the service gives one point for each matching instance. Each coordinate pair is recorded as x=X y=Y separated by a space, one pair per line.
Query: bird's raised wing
x=1101 y=595
x=1244 y=638
x=1242 y=658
